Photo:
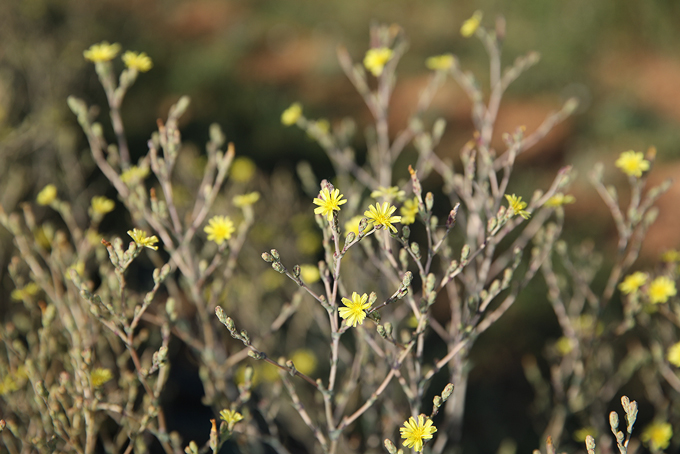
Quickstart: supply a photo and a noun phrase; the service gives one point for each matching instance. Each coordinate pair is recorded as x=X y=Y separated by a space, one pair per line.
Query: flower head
x=414 y=432
x=409 y=211
x=671 y=256
x=388 y=194
x=219 y=228
x=376 y=59
x=661 y=289
x=140 y=238
x=633 y=282
x=101 y=52
x=291 y=115
x=134 y=174
x=246 y=199
x=632 y=163
x=440 y=62
x=231 y=417
x=353 y=225
x=47 y=195
x=560 y=199
x=674 y=354
x=99 y=376
x=29 y=290
x=381 y=216
x=354 y=311
x=304 y=360
x=102 y=205
x=471 y=25
x=517 y=206
x=328 y=202
x=138 y=61
x=657 y=435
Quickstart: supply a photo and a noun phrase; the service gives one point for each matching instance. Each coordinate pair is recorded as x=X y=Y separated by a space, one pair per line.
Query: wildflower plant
x=374 y=256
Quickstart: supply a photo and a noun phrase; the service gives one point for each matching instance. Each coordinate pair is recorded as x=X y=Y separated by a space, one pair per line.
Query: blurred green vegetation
x=243 y=62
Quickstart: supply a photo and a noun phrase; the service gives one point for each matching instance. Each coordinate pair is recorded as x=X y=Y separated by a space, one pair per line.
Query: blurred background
x=243 y=62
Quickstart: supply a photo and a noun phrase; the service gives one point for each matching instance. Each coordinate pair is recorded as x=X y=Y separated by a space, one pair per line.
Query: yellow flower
x=138 y=61
x=134 y=174
x=246 y=199
x=414 y=432
x=381 y=216
x=440 y=62
x=219 y=228
x=99 y=376
x=409 y=211
x=291 y=115
x=304 y=361
x=517 y=206
x=309 y=273
x=101 y=52
x=671 y=256
x=657 y=435
x=30 y=289
x=140 y=238
x=661 y=289
x=674 y=354
x=388 y=194
x=47 y=195
x=633 y=282
x=102 y=205
x=354 y=311
x=328 y=202
x=632 y=163
x=581 y=434
x=242 y=169
x=231 y=417
x=564 y=345
x=471 y=25
x=376 y=59
x=560 y=199
x=353 y=225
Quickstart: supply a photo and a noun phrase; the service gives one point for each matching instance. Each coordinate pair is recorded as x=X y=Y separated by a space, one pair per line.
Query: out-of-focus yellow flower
x=13 y=381
x=99 y=376
x=353 y=225
x=633 y=282
x=671 y=256
x=564 y=345
x=219 y=229
x=674 y=354
x=102 y=52
x=517 y=206
x=376 y=59
x=47 y=195
x=388 y=194
x=140 y=238
x=661 y=289
x=657 y=435
x=137 y=61
x=102 y=205
x=246 y=199
x=440 y=62
x=309 y=273
x=304 y=361
x=632 y=163
x=29 y=290
x=409 y=211
x=291 y=115
x=134 y=174
x=581 y=434
x=560 y=199
x=242 y=169
x=471 y=25
x=308 y=242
